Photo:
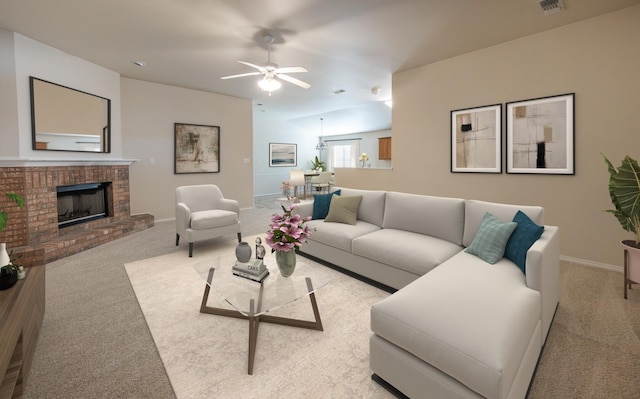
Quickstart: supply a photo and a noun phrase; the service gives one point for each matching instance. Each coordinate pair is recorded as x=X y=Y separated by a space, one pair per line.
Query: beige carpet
x=593 y=348
x=205 y=356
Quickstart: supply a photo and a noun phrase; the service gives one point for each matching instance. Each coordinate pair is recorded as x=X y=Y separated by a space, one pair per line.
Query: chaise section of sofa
x=469 y=320
x=458 y=326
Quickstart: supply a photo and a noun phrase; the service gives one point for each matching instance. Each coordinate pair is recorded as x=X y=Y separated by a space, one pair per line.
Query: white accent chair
x=203 y=213
x=322 y=181
x=297 y=179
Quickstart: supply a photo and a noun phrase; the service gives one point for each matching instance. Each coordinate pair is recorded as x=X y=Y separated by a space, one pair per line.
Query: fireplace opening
x=80 y=203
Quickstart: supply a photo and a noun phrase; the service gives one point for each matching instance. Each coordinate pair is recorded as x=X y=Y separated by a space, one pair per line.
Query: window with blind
x=343 y=154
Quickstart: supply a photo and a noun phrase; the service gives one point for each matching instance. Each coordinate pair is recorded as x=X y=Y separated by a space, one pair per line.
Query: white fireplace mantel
x=35 y=162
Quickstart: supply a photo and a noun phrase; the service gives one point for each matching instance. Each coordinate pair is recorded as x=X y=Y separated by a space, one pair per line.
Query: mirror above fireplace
x=66 y=119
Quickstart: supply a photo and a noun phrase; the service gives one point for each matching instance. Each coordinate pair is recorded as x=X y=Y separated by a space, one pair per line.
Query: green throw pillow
x=344 y=209
x=491 y=238
x=321 y=204
x=522 y=239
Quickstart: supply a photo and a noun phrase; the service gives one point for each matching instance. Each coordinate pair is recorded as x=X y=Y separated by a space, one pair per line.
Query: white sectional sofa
x=457 y=326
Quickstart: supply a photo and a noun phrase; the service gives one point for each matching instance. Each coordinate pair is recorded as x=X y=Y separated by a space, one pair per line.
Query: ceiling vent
x=549 y=7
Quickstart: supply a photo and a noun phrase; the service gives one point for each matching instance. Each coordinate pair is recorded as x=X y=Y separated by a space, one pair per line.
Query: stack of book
x=254 y=270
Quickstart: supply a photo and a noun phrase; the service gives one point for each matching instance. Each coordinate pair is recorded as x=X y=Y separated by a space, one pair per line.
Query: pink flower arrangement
x=287 y=232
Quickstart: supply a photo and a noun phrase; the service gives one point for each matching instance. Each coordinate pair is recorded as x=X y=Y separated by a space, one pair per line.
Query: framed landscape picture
x=476 y=139
x=281 y=154
x=540 y=135
x=197 y=148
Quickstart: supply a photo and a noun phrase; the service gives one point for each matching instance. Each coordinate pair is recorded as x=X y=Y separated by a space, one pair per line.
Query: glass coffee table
x=253 y=301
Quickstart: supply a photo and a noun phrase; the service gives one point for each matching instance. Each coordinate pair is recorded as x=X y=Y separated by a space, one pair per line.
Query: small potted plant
x=4 y=218
x=363 y=158
x=624 y=190
x=317 y=165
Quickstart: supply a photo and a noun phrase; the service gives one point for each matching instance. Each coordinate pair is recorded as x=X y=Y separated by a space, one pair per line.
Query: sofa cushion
x=204 y=220
x=412 y=252
x=371 y=207
x=472 y=320
x=474 y=212
x=343 y=209
x=523 y=237
x=339 y=235
x=434 y=216
x=321 y=204
x=491 y=238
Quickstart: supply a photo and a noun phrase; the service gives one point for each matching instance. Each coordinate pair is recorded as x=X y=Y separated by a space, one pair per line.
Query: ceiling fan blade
x=241 y=75
x=295 y=81
x=259 y=68
x=295 y=69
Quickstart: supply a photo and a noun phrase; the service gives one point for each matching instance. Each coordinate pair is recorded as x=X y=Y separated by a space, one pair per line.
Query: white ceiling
x=350 y=45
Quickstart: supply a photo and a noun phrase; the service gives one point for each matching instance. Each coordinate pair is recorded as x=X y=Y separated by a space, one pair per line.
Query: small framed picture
x=476 y=139
x=197 y=148
x=282 y=154
x=541 y=135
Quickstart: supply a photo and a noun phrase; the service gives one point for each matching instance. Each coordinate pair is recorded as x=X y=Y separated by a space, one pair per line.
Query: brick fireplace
x=33 y=231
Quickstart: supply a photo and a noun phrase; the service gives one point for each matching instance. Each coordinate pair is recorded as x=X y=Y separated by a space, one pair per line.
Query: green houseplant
x=318 y=164
x=4 y=217
x=624 y=190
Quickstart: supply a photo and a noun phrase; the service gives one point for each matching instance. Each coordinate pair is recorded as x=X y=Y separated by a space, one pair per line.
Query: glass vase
x=286 y=262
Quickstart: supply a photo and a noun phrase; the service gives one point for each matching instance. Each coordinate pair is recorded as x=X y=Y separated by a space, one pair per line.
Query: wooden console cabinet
x=21 y=314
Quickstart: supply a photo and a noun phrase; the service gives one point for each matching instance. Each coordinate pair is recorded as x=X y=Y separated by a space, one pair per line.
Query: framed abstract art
x=476 y=139
x=541 y=135
x=197 y=148
x=282 y=154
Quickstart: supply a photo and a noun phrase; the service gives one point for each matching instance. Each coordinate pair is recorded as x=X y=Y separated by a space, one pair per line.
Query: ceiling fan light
x=269 y=84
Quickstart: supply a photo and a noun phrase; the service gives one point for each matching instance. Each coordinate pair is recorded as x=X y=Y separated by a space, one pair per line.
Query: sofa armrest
x=229 y=205
x=183 y=217
x=543 y=273
x=304 y=209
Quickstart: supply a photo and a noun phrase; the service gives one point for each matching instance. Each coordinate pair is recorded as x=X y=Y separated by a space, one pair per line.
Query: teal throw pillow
x=522 y=239
x=321 y=204
x=491 y=238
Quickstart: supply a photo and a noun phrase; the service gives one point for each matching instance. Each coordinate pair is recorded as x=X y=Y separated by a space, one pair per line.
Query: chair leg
x=177 y=239
x=239 y=237
x=190 y=249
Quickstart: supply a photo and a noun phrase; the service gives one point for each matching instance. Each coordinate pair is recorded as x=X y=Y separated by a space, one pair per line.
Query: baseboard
x=349 y=273
x=598 y=265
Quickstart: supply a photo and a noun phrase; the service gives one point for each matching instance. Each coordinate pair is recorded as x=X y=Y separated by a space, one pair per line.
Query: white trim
x=598 y=265
x=21 y=162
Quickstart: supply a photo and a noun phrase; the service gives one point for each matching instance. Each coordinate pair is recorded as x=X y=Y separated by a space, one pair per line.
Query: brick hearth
x=32 y=232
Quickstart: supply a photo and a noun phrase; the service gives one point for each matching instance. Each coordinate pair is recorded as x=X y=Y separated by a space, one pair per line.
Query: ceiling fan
x=272 y=72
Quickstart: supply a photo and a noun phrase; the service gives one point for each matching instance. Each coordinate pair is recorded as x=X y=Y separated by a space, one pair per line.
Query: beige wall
x=598 y=59
x=149 y=111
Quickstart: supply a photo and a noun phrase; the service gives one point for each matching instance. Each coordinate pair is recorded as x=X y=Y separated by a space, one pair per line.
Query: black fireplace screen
x=81 y=203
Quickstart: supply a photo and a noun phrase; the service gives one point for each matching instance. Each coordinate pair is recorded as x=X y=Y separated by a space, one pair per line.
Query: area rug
x=205 y=356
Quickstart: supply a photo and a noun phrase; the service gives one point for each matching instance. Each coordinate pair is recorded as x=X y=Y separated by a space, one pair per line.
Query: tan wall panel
x=149 y=111
x=597 y=59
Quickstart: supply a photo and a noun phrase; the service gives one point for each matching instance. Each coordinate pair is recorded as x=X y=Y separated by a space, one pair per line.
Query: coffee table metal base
x=254 y=321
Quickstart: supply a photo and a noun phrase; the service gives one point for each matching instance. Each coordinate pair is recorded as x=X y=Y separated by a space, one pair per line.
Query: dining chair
x=321 y=181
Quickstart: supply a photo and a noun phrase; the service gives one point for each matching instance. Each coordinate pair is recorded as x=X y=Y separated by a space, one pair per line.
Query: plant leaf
x=3 y=220
x=624 y=190
x=17 y=198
